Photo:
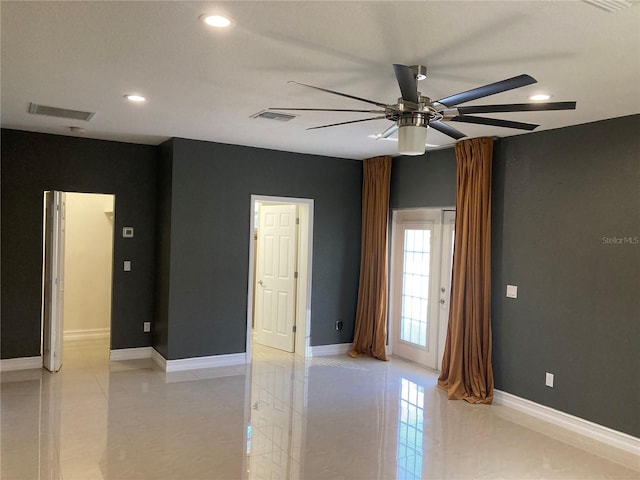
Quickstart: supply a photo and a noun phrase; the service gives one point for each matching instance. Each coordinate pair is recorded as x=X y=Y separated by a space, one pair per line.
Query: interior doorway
x=421 y=264
x=279 y=281
x=77 y=271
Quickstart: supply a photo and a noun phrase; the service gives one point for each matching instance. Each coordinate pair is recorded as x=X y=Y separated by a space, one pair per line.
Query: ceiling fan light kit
x=414 y=112
x=412 y=140
x=412 y=134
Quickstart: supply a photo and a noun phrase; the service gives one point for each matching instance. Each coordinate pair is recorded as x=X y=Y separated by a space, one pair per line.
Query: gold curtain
x=371 y=315
x=466 y=365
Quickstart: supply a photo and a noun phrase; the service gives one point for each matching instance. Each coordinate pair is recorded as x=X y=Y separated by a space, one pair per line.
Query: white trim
x=20 y=363
x=165 y=365
x=196 y=363
x=159 y=360
x=87 y=334
x=333 y=349
x=130 y=353
x=578 y=425
x=303 y=329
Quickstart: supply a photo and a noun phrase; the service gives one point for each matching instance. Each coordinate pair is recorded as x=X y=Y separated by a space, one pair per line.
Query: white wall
x=88 y=264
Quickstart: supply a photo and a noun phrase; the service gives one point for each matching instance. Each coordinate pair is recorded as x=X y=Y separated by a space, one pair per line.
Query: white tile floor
x=279 y=418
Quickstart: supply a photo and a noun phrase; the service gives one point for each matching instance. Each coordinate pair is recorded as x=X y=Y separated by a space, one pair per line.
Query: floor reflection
x=282 y=417
x=277 y=415
x=410 y=430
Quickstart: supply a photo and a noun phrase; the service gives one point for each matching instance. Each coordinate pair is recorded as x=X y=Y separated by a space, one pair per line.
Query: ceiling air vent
x=60 y=112
x=270 y=115
x=610 y=5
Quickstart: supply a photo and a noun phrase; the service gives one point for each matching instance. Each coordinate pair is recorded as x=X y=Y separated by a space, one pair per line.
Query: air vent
x=610 y=5
x=270 y=115
x=60 y=112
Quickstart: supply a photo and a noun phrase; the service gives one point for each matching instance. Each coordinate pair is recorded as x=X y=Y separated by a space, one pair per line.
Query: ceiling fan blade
x=327 y=110
x=373 y=102
x=345 y=123
x=486 y=90
x=447 y=130
x=517 y=107
x=496 y=122
x=388 y=132
x=407 y=82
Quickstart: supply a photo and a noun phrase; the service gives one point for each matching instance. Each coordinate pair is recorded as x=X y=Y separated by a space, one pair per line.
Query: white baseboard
x=20 y=363
x=158 y=359
x=334 y=349
x=575 y=424
x=130 y=353
x=205 y=362
x=165 y=365
x=87 y=334
x=196 y=363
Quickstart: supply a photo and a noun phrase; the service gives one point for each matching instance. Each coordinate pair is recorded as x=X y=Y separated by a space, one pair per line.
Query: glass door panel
x=415 y=286
x=420 y=282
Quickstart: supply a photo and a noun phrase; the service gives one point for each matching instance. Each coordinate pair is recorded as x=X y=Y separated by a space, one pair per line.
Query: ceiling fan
x=414 y=112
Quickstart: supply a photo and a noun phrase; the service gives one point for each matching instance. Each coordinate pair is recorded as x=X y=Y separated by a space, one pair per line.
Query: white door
x=53 y=297
x=275 y=277
x=420 y=290
x=446 y=268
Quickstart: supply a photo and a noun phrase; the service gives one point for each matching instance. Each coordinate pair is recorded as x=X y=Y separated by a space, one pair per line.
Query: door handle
x=442 y=300
x=260 y=282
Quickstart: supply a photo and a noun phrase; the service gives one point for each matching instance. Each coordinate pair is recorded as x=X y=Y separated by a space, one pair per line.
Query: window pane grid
x=415 y=286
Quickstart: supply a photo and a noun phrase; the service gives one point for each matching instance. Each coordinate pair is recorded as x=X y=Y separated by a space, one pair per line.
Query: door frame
x=60 y=320
x=305 y=263
x=442 y=322
x=53 y=255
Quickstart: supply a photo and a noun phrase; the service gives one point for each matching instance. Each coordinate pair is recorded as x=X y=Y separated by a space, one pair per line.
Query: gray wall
x=211 y=187
x=160 y=327
x=425 y=181
x=33 y=163
x=556 y=194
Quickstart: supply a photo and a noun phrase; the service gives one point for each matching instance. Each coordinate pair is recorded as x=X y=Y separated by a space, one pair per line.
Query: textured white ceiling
x=205 y=84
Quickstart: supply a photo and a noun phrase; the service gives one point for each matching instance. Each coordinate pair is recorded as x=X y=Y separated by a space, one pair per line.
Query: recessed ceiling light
x=540 y=97
x=217 y=21
x=135 y=98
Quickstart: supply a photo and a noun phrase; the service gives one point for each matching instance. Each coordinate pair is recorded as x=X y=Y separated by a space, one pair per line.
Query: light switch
x=512 y=291
x=127 y=265
x=549 y=380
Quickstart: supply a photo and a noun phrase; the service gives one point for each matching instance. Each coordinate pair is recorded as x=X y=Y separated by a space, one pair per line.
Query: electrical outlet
x=147 y=326
x=549 y=380
x=339 y=325
x=127 y=265
x=512 y=291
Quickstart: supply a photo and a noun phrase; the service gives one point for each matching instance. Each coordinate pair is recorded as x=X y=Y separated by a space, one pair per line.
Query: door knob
x=259 y=282
x=442 y=300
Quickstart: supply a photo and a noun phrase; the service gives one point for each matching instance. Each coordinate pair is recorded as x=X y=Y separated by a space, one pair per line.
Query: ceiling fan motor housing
x=413 y=119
